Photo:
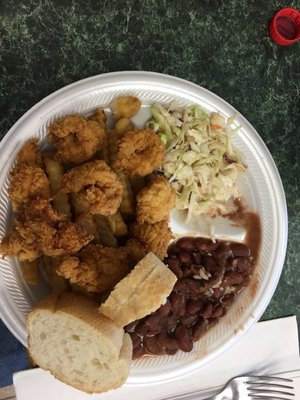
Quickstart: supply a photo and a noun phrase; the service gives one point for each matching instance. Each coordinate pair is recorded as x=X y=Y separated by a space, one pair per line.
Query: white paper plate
x=261 y=187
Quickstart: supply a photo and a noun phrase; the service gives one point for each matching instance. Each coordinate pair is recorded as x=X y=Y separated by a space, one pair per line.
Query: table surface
x=221 y=45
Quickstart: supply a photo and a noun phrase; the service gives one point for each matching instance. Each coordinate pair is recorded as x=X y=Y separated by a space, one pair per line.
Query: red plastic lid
x=284 y=28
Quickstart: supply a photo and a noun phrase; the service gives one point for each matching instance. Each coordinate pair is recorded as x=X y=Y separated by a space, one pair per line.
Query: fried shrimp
x=38 y=229
x=155 y=237
x=96 y=268
x=139 y=152
x=155 y=201
x=76 y=139
x=98 y=188
x=27 y=179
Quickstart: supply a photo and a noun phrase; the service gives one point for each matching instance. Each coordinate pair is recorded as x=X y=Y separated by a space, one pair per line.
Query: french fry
x=30 y=271
x=117 y=224
x=55 y=172
x=103 y=153
x=58 y=283
x=127 y=205
x=122 y=125
x=77 y=207
x=112 y=146
x=106 y=236
x=125 y=106
x=87 y=221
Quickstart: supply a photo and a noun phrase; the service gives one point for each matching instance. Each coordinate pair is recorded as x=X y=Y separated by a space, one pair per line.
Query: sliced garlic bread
x=141 y=292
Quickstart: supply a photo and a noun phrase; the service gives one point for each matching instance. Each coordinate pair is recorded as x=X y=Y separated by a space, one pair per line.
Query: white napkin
x=270 y=347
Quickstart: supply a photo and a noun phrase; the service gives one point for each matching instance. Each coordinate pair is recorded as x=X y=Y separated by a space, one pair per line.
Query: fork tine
x=256 y=385
x=255 y=397
x=269 y=392
x=265 y=378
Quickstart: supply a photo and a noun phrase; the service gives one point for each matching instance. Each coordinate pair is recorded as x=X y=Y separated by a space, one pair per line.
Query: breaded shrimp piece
x=96 y=268
x=23 y=246
x=155 y=201
x=38 y=229
x=27 y=179
x=100 y=117
x=125 y=106
x=155 y=237
x=139 y=152
x=27 y=182
x=76 y=139
x=30 y=154
x=98 y=188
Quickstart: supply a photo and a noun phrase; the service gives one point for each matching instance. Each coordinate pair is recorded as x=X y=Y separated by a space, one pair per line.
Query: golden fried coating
x=96 y=268
x=100 y=117
x=139 y=152
x=30 y=154
x=125 y=106
x=98 y=187
x=38 y=229
x=135 y=251
x=155 y=201
x=24 y=247
x=27 y=179
x=76 y=139
x=155 y=237
x=27 y=182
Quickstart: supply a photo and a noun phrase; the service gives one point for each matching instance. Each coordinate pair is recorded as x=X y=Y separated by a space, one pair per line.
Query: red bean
x=228 y=300
x=174 y=266
x=184 y=339
x=177 y=303
x=210 y=265
x=232 y=278
x=197 y=258
x=187 y=272
x=218 y=311
x=169 y=323
x=206 y=245
x=151 y=345
x=164 y=309
x=223 y=253
x=193 y=306
x=138 y=352
x=244 y=264
x=193 y=288
x=167 y=342
x=239 y=249
x=206 y=310
x=189 y=320
x=199 y=328
x=186 y=243
x=149 y=326
x=184 y=257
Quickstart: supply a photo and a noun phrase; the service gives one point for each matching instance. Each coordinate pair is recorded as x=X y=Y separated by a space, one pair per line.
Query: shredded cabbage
x=200 y=161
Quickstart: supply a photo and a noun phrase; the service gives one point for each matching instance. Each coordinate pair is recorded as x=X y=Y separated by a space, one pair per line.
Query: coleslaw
x=200 y=161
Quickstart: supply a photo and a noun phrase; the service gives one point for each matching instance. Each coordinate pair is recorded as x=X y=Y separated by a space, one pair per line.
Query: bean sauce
x=210 y=275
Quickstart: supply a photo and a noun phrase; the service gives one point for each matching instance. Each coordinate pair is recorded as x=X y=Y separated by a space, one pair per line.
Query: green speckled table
x=222 y=45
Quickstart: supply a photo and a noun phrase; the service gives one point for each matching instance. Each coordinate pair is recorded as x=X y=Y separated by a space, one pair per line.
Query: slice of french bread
x=68 y=337
x=141 y=292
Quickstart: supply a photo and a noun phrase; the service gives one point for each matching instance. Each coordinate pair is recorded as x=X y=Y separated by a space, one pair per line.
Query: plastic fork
x=250 y=388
